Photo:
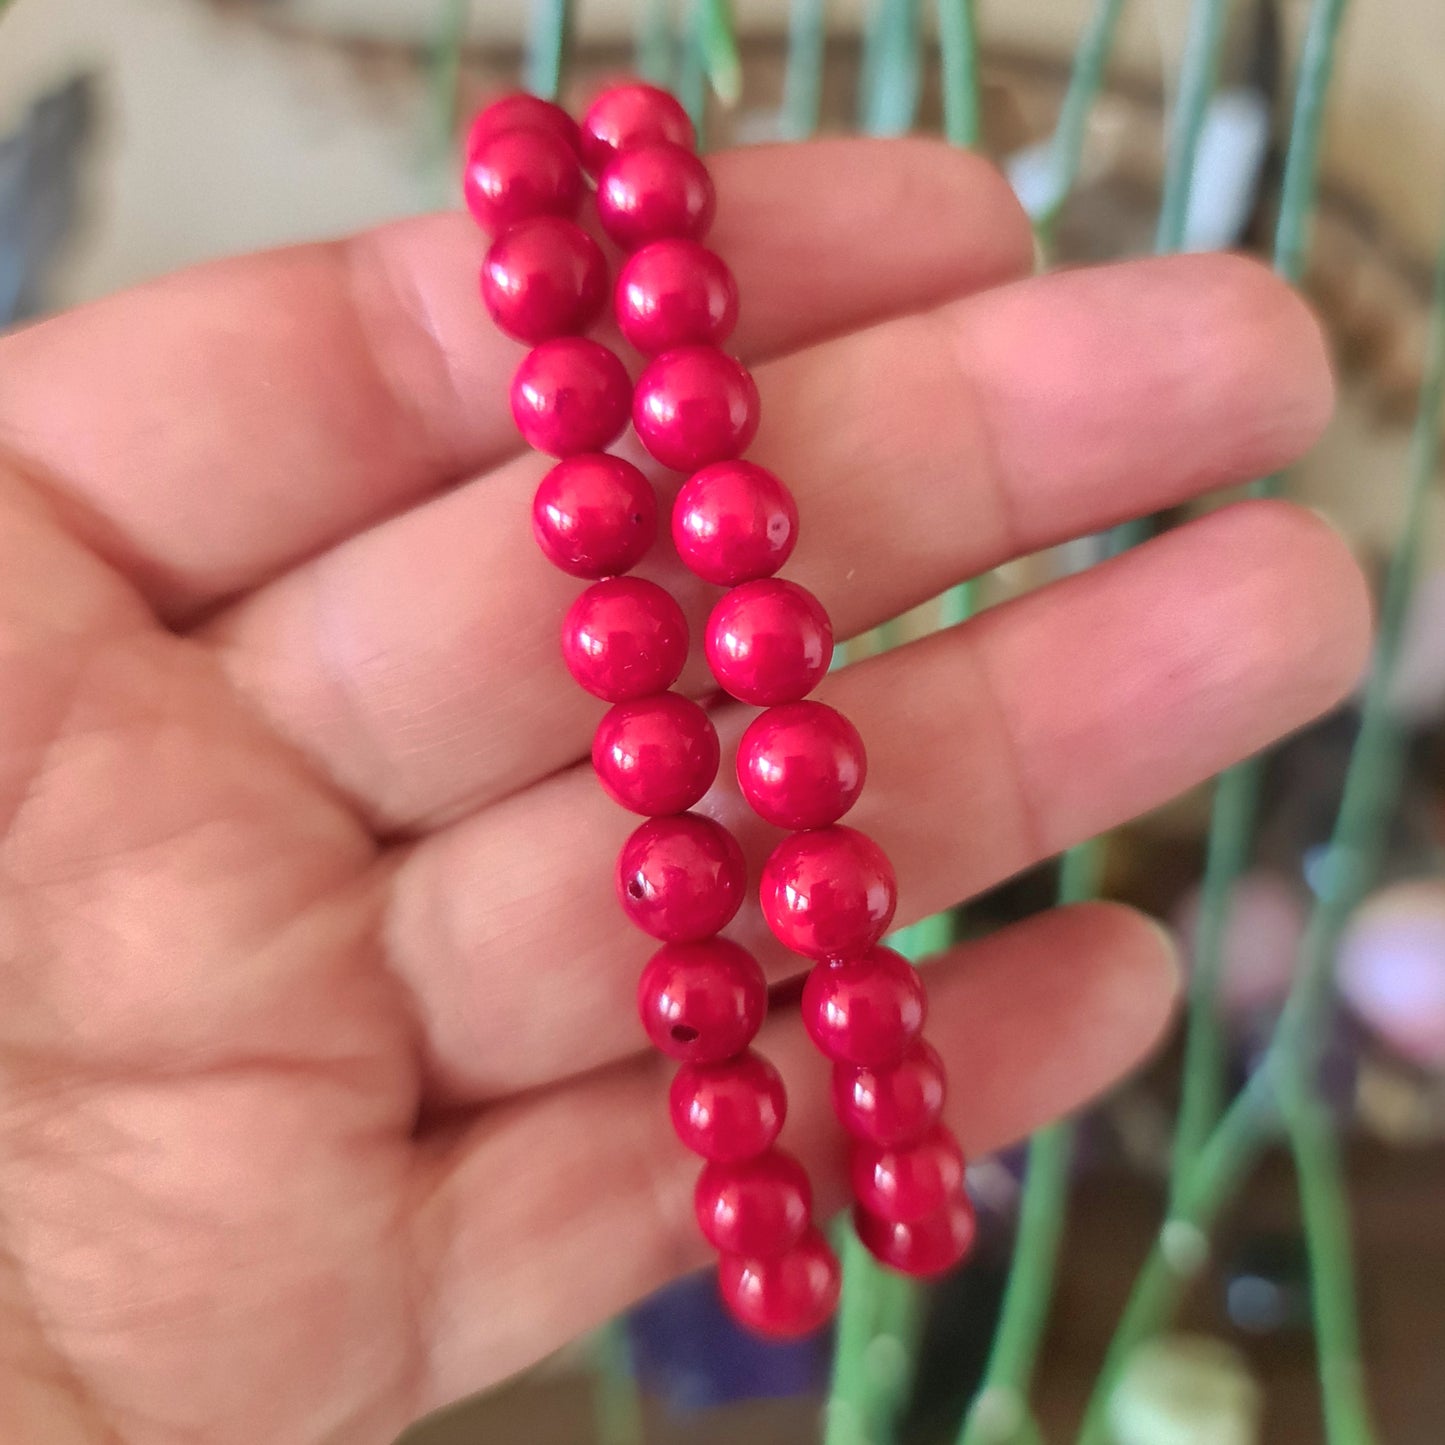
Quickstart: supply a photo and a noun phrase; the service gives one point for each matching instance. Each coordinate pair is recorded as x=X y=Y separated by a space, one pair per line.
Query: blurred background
x=138 y=136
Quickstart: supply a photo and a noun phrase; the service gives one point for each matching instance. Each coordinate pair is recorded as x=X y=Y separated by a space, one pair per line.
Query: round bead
x=624 y=638
x=702 y=1002
x=656 y=754
x=520 y=111
x=695 y=406
x=626 y=117
x=801 y=765
x=829 y=893
x=734 y=522
x=783 y=1296
x=926 y=1247
x=594 y=515
x=570 y=395
x=681 y=878
x=906 y=1185
x=655 y=192
x=867 y=1012
x=730 y=1111
x=543 y=278
x=895 y=1105
x=758 y=1207
x=518 y=174
x=769 y=641
x=675 y=293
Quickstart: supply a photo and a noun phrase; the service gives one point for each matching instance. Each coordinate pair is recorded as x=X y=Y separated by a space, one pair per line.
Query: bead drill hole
x=683 y=1034
x=635 y=889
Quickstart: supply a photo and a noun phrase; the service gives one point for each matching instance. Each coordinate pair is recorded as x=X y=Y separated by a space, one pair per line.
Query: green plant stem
x=655 y=44
x=958 y=50
x=617 y=1403
x=892 y=67
x=1086 y=79
x=1181 y=1248
x=718 y=41
x=692 y=80
x=548 y=46
x=803 y=79
x=444 y=86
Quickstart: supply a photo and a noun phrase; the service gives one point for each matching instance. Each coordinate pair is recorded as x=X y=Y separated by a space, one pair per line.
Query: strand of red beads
x=681 y=876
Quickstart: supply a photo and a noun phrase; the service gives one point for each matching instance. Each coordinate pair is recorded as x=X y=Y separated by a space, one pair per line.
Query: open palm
x=321 y=1098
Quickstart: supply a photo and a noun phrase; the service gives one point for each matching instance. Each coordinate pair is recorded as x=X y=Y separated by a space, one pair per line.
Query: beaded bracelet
x=827 y=891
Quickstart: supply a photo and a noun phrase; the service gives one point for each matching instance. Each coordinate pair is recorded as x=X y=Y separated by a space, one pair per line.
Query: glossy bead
x=624 y=638
x=570 y=395
x=518 y=174
x=626 y=117
x=867 y=1012
x=675 y=293
x=801 y=765
x=769 y=641
x=695 y=406
x=782 y=1296
x=520 y=111
x=654 y=192
x=892 y=1105
x=656 y=754
x=594 y=515
x=906 y=1185
x=702 y=1002
x=729 y=1111
x=543 y=278
x=734 y=522
x=829 y=893
x=758 y=1207
x=681 y=878
x=925 y=1247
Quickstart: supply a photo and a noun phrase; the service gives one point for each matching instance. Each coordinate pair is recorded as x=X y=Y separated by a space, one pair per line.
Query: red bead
x=681 y=878
x=927 y=1247
x=543 y=278
x=784 y=1296
x=518 y=174
x=866 y=1012
x=769 y=641
x=734 y=522
x=695 y=406
x=655 y=192
x=570 y=395
x=730 y=1111
x=759 y=1207
x=801 y=765
x=520 y=111
x=675 y=293
x=907 y=1185
x=702 y=1002
x=656 y=755
x=627 y=117
x=624 y=638
x=594 y=515
x=829 y=893
x=893 y=1105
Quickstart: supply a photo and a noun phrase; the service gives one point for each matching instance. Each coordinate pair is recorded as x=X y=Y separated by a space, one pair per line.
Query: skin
x=321 y=1100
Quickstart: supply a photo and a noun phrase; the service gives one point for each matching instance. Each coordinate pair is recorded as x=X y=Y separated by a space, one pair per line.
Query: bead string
x=827 y=891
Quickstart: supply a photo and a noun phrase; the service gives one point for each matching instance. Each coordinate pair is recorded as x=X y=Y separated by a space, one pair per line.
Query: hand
x=322 y=1101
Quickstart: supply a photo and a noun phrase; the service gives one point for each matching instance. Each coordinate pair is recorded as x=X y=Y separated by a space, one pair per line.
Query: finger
x=414 y=662
x=991 y=747
x=242 y=415
x=572 y=1205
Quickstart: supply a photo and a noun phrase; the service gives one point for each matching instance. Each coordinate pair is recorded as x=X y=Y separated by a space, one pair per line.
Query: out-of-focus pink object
x=1392 y=969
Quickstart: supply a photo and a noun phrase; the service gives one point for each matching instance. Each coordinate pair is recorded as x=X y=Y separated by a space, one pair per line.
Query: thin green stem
x=1091 y=57
x=803 y=80
x=548 y=46
x=444 y=87
x=958 y=50
x=892 y=67
x=1198 y=73
x=1181 y=1248
x=1323 y=1202
x=692 y=81
x=717 y=38
x=655 y=42
x=617 y=1403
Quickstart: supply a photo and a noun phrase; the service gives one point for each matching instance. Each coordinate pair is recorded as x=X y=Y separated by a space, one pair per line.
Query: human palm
x=321 y=1099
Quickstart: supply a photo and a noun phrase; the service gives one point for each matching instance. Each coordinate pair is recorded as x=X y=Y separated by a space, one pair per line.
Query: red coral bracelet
x=827 y=891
